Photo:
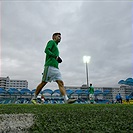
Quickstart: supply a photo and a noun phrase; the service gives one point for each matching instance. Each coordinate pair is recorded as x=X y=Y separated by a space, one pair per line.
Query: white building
x=7 y=83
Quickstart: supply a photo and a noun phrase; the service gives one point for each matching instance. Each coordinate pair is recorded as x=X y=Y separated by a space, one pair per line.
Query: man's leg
x=121 y=100
x=38 y=89
x=91 y=100
x=63 y=92
x=61 y=87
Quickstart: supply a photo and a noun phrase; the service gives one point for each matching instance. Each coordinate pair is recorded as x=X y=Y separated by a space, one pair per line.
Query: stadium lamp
x=86 y=60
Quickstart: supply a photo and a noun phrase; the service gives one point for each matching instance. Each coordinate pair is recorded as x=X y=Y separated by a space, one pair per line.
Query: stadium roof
x=128 y=81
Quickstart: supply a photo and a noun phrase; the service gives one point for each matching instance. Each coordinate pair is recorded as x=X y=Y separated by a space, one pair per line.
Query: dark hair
x=90 y=84
x=55 y=34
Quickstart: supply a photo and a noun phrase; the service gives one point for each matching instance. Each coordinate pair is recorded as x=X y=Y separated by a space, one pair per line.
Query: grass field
x=76 y=118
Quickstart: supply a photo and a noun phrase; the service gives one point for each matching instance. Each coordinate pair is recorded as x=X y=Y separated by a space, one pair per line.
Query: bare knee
x=60 y=82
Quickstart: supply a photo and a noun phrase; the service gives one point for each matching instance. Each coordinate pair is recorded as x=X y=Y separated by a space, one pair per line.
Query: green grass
x=76 y=118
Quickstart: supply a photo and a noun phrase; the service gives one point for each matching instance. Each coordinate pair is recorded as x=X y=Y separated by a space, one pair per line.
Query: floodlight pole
x=87 y=77
x=86 y=60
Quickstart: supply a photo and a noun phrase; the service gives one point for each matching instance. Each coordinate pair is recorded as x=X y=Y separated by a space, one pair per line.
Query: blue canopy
x=33 y=91
x=69 y=92
x=47 y=91
x=3 y=90
x=25 y=91
x=128 y=81
x=78 y=92
x=56 y=91
x=122 y=82
x=86 y=92
x=105 y=92
x=97 y=92
x=13 y=91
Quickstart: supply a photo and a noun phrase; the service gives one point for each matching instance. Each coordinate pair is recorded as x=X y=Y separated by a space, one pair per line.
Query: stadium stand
x=97 y=92
x=13 y=91
x=105 y=92
x=69 y=92
x=2 y=91
x=51 y=96
x=102 y=101
x=25 y=91
x=47 y=91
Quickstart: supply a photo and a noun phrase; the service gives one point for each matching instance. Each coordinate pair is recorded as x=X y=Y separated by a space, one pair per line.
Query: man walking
x=91 y=94
x=51 y=69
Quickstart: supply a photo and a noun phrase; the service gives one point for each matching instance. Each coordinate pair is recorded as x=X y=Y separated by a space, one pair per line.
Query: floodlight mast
x=86 y=60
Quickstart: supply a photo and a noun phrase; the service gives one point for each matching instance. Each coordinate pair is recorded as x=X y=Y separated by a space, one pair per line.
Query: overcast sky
x=102 y=30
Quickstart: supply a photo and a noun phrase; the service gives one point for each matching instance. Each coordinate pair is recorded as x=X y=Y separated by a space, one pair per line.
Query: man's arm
x=48 y=49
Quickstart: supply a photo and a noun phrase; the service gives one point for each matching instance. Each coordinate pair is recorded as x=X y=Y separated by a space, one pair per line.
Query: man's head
x=56 y=37
x=90 y=84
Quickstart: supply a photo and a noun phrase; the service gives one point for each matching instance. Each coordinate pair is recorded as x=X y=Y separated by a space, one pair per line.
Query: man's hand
x=58 y=59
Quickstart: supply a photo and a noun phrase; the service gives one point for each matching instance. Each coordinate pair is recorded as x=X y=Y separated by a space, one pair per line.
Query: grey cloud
x=99 y=29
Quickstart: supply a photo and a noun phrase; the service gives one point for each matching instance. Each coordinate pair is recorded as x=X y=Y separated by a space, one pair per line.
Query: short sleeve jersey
x=91 y=90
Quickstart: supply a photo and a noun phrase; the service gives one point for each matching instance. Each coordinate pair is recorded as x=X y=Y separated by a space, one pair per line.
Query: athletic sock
x=65 y=97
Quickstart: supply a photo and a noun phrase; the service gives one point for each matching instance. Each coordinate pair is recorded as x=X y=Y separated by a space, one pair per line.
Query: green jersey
x=91 y=90
x=52 y=52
